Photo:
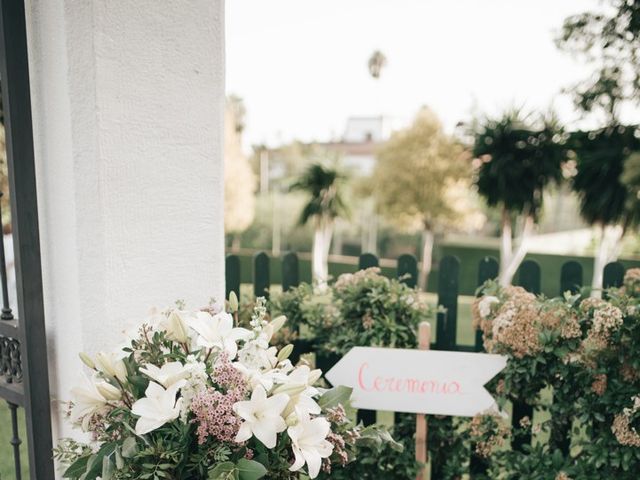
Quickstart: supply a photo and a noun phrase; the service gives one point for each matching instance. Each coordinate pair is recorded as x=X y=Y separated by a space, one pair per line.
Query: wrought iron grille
x=24 y=380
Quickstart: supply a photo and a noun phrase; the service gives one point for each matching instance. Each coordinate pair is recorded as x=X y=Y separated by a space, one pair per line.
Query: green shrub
x=360 y=309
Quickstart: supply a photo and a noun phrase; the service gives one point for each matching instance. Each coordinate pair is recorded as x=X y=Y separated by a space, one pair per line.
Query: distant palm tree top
x=377 y=62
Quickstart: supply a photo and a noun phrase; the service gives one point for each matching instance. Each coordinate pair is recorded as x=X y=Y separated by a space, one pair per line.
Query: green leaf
x=108 y=468
x=95 y=463
x=339 y=395
x=250 y=469
x=376 y=436
x=224 y=471
x=77 y=468
x=129 y=447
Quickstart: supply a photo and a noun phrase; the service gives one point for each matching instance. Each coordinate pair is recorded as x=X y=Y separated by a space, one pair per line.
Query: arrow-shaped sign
x=418 y=381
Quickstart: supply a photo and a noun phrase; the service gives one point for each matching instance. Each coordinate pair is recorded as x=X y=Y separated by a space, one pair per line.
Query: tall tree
x=605 y=180
x=609 y=40
x=323 y=186
x=518 y=159
x=416 y=178
x=239 y=179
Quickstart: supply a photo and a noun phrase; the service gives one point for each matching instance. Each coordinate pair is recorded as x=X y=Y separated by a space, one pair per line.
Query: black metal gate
x=24 y=380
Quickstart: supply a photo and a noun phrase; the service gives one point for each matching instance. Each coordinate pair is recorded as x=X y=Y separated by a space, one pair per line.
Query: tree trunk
x=235 y=242
x=327 y=233
x=505 y=241
x=317 y=255
x=508 y=269
x=608 y=251
x=320 y=253
x=427 y=258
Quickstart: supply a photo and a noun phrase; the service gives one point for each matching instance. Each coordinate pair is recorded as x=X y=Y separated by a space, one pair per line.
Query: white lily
x=258 y=356
x=218 y=332
x=299 y=386
x=484 y=306
x=262 y=417
x=168 y=374
x=158 y=407
x=111 y=364
x=91 y=397
x=309 y=444
x=175 y=327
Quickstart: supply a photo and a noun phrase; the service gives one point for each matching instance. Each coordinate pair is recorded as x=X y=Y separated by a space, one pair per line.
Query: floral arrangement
x=576 y=361
x=193 y=396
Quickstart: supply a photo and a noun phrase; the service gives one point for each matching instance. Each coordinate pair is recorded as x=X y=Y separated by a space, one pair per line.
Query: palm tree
x=518 y=160
x=325 y=204
x=605 y=182
x=376 y=63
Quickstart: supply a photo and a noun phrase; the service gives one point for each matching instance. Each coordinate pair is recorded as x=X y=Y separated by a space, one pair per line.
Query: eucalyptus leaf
x=224 y=471
x=77 y=468
x=339 y=395
x=250 y=469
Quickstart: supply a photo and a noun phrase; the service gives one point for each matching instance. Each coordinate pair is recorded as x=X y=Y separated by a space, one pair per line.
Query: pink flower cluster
x=227 y=376
x=213 y=409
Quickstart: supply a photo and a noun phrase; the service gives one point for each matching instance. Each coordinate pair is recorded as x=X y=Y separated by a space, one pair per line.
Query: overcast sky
x=301 y=65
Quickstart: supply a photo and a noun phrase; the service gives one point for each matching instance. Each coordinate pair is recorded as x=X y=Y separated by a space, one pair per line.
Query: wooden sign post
x=419 y=381
x=422 y=427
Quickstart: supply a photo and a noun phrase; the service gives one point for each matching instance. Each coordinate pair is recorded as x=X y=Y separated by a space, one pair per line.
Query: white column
x=128 y=111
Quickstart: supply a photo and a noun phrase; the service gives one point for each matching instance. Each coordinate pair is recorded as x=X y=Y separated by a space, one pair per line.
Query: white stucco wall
x=128 y=107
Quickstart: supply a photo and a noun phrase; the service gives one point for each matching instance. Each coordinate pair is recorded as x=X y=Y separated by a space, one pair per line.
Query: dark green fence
x=448 y=290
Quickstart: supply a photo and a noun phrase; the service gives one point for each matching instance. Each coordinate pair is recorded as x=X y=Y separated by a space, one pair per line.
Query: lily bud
x=285 y=352
x=110 y=364
x=278 y=322
x=291 y=389
x=86 y=359
x=176 y=328
x=108 y=391
x=314 y=376
x=233 y=302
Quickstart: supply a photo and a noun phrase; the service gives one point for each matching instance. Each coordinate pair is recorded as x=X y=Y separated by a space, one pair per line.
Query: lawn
x=7 y=469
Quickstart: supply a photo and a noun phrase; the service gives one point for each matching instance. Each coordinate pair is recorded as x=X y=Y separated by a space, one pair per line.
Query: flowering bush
x=576 y=360
x=360 y=309
x=192 y=396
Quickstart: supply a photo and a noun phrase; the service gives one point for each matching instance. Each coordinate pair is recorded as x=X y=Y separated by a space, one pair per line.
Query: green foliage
x=608 y=39
x=378 y=457
x=323 y=186
x=361 y=309
x=519 y=159
x=605 y=196
x=416 y=169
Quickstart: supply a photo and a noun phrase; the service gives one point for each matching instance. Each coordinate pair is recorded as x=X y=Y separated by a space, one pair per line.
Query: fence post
x=290 y=271
x=570 y=280
x=445 y=340
x=261 y=277
x=570 y=277
x=408 y=270
x=529 y=279
x=448 y=302
x=529 y=276
x=367 y=260
x=487 y=270
x=613 y=275
x=232 y=275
